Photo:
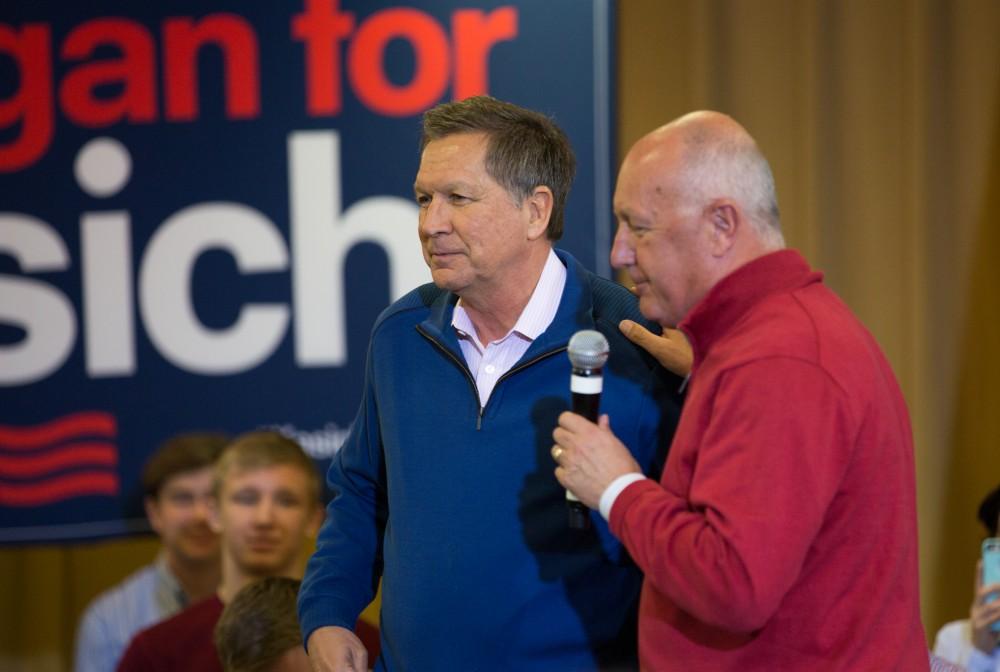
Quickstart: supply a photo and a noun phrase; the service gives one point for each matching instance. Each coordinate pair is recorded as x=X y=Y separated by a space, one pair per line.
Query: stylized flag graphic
x=67 y=457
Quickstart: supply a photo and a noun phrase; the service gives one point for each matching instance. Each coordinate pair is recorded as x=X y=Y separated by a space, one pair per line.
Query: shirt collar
x=539 y=311
x=737 y=293
x=169 y=594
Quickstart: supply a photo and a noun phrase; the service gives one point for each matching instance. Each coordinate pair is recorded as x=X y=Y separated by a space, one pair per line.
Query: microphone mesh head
x=588 y=349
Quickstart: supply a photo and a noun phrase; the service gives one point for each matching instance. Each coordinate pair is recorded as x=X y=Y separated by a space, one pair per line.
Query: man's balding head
x=715 y=157
x=695 y=200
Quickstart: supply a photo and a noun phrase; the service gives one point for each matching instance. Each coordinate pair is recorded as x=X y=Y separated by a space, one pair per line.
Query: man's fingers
x=986 y=615
x=572 y=422
x=983 y=593
x=636 y=333
x=671 y=349
x=336 y=649
x=357 y=661
x=562 y=436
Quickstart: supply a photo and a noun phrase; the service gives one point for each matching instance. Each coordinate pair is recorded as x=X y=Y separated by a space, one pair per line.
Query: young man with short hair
x=266 y=504
x=177 y=483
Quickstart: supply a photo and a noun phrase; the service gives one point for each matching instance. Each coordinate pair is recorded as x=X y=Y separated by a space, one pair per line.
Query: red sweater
x=782 y=535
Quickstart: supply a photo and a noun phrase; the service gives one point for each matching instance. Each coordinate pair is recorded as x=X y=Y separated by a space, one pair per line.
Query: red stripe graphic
x=57 y=488
x=88 y=423
x=70 y=455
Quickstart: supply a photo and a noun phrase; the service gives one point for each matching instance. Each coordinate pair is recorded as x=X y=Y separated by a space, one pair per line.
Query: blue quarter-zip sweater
x=457 y=509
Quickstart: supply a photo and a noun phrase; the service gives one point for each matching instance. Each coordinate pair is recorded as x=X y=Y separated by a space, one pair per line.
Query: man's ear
x=539 y=204
x=725 y=219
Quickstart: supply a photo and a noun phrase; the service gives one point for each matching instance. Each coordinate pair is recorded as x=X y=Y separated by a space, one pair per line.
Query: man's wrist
x=611 y=492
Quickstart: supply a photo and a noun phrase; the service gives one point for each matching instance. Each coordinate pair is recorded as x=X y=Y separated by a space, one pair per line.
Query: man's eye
x=423 y=200
x=285 y=499
x=244 y=497
x=459 y=198
x=181 y=498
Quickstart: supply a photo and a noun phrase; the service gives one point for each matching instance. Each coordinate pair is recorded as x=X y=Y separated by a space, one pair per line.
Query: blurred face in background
x=180 y=514
x=265 y=515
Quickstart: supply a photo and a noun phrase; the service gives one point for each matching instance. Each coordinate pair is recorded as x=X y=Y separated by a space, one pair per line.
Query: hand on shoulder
x=671 y=349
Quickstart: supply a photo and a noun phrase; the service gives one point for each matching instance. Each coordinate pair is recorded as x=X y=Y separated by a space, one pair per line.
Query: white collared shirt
x=487 y=363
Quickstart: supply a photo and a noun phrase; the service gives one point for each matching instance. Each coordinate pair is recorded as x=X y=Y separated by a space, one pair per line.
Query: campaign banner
x=205 y=205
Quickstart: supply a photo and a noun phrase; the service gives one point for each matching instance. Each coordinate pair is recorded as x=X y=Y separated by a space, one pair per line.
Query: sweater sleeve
x=342 y=575
x=766 y=467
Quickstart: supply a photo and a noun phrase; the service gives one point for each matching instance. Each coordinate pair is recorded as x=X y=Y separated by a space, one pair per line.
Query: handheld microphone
x=588 y=352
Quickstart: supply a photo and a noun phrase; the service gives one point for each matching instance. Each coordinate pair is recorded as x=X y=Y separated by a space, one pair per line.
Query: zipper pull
x=479 y=419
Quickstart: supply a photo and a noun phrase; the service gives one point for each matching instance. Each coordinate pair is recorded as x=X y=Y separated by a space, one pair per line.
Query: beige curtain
x=882 y=124
x=881 y=121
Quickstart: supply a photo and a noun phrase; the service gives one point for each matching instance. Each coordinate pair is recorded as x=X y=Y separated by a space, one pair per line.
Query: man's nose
x=434 y=218
x=202 y=507
x=263 y=513
x=622 y=252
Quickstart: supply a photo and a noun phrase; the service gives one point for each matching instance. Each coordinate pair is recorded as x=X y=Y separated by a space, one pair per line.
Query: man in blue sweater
x=444 y=488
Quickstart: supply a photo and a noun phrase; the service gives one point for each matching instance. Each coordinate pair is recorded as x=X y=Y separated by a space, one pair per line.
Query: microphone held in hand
x=588 y=352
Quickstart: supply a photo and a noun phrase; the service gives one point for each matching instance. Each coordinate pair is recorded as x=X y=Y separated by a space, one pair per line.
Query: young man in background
x=266 y=505
x=177 y=483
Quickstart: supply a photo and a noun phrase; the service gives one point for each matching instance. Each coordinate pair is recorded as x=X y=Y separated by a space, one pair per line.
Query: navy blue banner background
x=125 y=299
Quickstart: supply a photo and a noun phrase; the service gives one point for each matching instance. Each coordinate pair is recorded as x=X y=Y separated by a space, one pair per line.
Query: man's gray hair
x=733 y=168
x=525 y=150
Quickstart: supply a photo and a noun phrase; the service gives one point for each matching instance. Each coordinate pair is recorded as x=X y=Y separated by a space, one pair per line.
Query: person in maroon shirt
x=782 y=533
x=266 y=505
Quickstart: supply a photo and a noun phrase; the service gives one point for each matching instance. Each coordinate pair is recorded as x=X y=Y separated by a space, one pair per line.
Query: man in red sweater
x=782 y=534
x=267 y=505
